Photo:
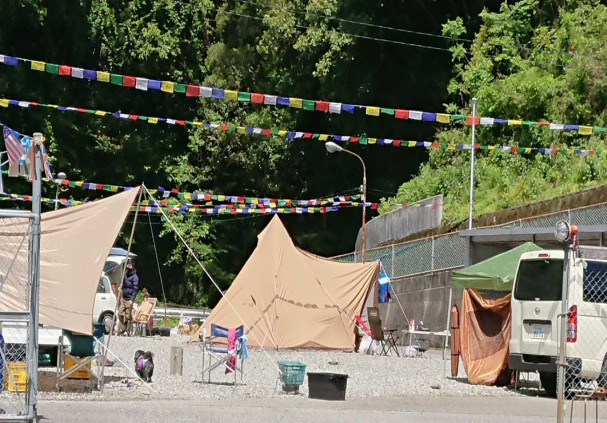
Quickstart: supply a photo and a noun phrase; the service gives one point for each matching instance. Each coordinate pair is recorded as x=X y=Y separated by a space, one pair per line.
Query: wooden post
x=176 y=366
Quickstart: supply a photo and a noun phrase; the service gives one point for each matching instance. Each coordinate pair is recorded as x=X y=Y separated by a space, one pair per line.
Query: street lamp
x=334 y=148
x=61 y=176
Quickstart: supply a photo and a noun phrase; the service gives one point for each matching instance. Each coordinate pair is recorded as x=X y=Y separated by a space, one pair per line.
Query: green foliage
x=532 y=62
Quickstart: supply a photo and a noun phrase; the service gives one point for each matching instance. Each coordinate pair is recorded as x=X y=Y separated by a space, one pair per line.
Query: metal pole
x=1 y=177
x=561 y=365
x=472 y=149
x=36 y=167
x=364 y=200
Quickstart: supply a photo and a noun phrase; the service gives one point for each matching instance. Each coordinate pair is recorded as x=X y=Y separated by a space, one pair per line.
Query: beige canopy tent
x=73 y=247
x=289 y=298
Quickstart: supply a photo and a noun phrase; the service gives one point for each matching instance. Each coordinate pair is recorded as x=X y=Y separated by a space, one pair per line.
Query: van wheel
x=107 y=319
x=548 y=380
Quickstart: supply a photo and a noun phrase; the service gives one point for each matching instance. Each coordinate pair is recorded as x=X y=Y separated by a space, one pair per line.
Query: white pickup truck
x=15 y=333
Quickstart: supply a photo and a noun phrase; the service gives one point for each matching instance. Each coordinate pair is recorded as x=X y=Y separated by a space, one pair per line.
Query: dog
x=144 y=365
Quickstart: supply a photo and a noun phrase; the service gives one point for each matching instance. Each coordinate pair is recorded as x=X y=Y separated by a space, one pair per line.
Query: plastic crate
x=80 y=373
x=292 y=372
x=19 y=377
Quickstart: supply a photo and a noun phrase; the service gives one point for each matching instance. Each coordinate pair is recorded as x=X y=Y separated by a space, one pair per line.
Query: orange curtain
x=485 y=328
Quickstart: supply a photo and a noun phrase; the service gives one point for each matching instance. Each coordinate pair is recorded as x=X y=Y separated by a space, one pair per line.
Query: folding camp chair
x=218 y=353
x=144 y=314
x=82 y=353
x=387 y=341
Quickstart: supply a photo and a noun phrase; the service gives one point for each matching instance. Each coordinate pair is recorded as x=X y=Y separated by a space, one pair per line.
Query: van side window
x=101 y=286
x=595 y=282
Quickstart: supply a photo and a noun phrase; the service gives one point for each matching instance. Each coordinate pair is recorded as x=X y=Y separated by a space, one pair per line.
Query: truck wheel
x=548 y=380
x=107 y=318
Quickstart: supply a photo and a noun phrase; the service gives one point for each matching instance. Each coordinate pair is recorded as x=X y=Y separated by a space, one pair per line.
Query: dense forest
x=529 y=60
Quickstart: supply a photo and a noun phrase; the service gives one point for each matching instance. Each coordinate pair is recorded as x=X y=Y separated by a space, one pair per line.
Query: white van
x=536 y=306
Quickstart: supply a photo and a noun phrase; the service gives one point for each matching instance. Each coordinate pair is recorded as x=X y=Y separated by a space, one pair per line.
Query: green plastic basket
x=292 y=372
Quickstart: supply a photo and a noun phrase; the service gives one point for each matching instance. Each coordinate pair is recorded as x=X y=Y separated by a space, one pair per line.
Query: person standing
x=130 y=289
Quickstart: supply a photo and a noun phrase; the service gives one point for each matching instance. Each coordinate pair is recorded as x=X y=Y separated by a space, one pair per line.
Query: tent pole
x=128 y=253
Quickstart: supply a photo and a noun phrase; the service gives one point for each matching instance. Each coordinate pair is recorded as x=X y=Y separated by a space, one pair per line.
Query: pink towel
x=231 y=365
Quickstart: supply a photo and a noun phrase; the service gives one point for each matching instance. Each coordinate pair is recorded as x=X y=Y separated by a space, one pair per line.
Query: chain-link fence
x=15 y=329
x=585 y=351
x=449 y=250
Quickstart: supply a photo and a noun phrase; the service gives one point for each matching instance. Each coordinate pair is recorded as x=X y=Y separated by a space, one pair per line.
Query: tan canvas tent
x=74 y=244
x=288 y=298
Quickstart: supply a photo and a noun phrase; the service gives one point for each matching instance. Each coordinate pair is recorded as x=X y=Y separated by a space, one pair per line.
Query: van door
x=104 y=298
x=536 y=303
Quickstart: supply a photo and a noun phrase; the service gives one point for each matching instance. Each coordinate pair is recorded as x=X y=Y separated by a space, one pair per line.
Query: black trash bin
x=327 y=386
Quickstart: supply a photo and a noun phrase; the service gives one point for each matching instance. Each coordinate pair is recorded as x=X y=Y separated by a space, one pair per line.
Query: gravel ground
x=367 y=375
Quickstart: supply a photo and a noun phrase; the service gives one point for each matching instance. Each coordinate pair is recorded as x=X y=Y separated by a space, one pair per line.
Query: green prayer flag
x=52 y=68
x=309 y=105
x=458 y=117
x=232 y=128
x=180 y=88
x=529 y=123
x=275 y=131
x=315 y=136
x=116 y=79
x=387 y=111
x=599 y=129
x=91 y=112
x=362 y=141
x=244 y=96
x=143 y=118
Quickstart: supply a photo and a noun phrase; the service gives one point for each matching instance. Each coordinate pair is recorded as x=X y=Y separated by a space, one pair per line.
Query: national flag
x=13 y=145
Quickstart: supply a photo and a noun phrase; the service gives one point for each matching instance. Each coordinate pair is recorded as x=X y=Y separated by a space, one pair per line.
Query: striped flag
x=13 y=145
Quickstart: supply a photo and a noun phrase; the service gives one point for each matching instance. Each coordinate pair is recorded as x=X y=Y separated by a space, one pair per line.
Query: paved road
x=295 y=410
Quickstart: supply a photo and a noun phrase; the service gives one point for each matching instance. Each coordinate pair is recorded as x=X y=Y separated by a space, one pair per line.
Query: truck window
x=539 y=279
x=595 y=282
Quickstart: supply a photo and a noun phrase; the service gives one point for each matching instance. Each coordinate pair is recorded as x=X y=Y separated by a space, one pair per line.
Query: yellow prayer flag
x=282 y=133
x=241 y=130
x=372 y=111
x=114 y=188
x=153 y=120
x=221 y=198
x=491 y=147
x=80 y=183
x=103 y=76
x=372 y=141
x=254 y=200
x=188 y=196
x=585 y=130
x=310 y=209
x=54 y=106
x=323 y=137
x=296 y=102
x=38 y=66
x=4 y=102
x=451 y=147
x=570 y=151
x=100 y=113
x=197 y=123
x=411 y=143
x=514 y=122
x=281 y=210
x=167 y=86
x=231 y=95
x=443 y=118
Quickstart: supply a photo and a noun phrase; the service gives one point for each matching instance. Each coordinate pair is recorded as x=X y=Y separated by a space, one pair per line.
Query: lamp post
x=61 y=176
x=334 y=148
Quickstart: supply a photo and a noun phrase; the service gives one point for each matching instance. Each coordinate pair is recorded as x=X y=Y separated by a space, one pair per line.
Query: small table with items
x=419 y=333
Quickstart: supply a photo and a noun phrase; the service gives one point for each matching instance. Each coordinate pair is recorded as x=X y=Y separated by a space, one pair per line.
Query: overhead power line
x=367 y=24
x=364 y=37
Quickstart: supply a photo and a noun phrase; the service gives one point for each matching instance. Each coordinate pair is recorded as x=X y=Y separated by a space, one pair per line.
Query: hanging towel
x=244 y=349
x=231 y=364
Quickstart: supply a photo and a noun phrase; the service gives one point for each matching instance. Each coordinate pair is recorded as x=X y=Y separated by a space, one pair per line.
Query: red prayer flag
x=65 y=70
x=266 y=132
x=322 y=106
x=469 y=120
x=192 y=91
x=224 y=127
x=81 y=110
x=543 y=123
x=307 y=135
x=401 y=114
x=514 y=150
x=133 y=117
x=129 y=81
x=397 y=143
x=180 y=122
x=354 y=139
x=257 y=98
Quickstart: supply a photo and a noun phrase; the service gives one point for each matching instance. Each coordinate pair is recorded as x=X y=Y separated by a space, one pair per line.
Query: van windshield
x=539 y=280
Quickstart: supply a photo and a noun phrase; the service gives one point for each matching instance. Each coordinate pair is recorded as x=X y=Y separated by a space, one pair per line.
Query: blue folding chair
x=218 y=354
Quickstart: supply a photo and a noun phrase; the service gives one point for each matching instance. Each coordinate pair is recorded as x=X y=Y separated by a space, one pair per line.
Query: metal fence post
x=561 y=365
x=432 y=257
x=35 y=278
x=392 y=263
x=569 y=215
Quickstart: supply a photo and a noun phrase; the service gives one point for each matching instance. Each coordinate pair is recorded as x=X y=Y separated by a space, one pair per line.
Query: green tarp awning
x=496 y=273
